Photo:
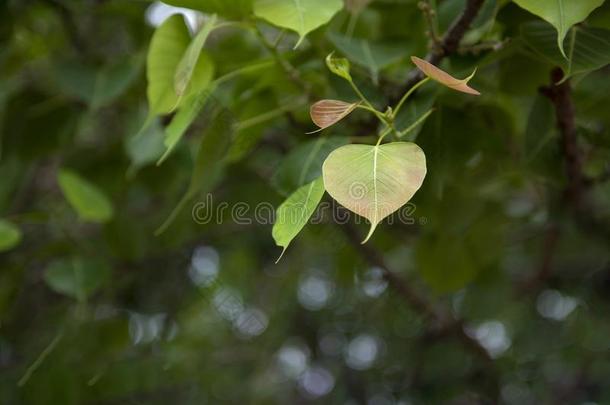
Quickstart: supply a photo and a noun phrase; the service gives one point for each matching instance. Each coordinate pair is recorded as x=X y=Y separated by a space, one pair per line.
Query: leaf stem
x=408 y=94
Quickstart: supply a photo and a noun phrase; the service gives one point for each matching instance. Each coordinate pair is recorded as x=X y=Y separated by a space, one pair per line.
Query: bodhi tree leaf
x=562 y=14
x=588 y=48
x=225 y=8
x=443 y=77
x=77 y=277
x=325 y=113
x=10 y=235
x=292 y=215
x=186 y=67
x=304 y=164
x=301 y=16
x=88 y=201
x=167 y=49
x=374 y=181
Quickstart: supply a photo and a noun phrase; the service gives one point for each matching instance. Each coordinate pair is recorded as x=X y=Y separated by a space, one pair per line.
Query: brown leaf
x=325 y=113
x=443 y=77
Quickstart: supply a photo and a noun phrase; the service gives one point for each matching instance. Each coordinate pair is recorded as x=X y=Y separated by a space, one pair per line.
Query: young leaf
x=292 y=215
x=90 y=203
x=374 y=181
x=588 y=48
x=562 y=14
x=301 y=16
x=325 y=113
x=304 y=163
x=186 y=67
x=339 y=66
x=10 y=235
x=77 y=278
x=443 y=77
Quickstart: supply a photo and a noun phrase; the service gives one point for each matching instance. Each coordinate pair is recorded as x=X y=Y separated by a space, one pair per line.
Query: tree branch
x=445 y=324
x=450 y=42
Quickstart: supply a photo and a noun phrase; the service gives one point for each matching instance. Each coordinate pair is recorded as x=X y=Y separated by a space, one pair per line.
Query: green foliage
x=76 y=277
x=294 y=213
x=485 y=275
x=588 y=49
x=562 y=14
x=10 y=235
x=89 y=202
x=301 y=16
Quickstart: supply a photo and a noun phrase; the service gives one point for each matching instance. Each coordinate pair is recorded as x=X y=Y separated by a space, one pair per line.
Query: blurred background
x=501 y=295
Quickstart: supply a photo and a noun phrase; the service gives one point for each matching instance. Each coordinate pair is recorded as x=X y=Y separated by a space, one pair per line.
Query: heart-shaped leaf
x=88 y=201
x=294 y=213
x=10 y=235
x=587 y=48
x=374 y=181
x=325 y=113
x=445 y=78
x=301 y=16
x=562 y=14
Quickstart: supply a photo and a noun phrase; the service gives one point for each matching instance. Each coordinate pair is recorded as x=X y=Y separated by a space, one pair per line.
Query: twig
x=450 y=42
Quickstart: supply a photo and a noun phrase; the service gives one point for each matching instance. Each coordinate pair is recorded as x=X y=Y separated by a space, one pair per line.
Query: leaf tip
x=281 y=254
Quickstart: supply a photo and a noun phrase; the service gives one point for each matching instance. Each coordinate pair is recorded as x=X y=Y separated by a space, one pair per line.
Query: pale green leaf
x=10 y=235
x=167 y=49
x=374 y=181
x=562 y=14
x=182 y=120
x=292 y=215
x=77 y=277
x=587 y=48
x=301 y=16
x=90 y=203
x=186 y=67
x=304 y=163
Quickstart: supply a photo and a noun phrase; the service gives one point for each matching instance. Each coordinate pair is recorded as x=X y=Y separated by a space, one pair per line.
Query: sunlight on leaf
x=294 y=213
x=445 y=78
x=374 y=181
x=325 y=113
